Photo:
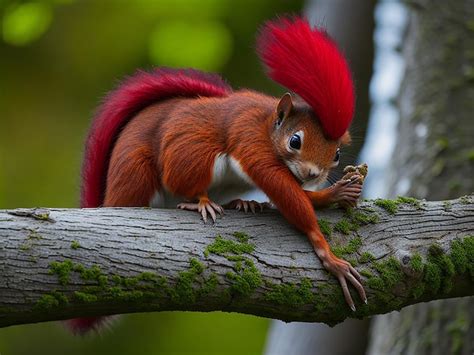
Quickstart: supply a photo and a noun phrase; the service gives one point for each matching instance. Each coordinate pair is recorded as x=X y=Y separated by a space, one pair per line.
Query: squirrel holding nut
x=184 y=133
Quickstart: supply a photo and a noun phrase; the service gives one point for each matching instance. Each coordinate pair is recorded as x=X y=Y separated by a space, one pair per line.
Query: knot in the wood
x=408 y=262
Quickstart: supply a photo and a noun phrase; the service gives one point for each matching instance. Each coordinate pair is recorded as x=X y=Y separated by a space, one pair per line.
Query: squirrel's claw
x=204 y=207
x=344 y=272
x=252 y=205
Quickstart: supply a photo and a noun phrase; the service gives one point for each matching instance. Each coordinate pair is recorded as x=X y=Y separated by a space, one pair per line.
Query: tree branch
x=64 y=263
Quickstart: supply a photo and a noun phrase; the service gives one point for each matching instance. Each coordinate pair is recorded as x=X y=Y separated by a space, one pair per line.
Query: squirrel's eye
x=295 y=141
x=338 y=155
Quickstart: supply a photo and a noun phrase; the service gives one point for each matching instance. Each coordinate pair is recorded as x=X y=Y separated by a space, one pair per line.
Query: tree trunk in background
x=434 y=160
x=351 y=24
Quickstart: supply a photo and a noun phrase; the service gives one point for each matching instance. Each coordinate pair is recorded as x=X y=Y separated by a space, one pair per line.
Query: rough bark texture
x=434 y=159
x=63 y=263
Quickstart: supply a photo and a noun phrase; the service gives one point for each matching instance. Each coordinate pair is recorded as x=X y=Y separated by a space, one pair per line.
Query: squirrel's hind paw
x=204 y=207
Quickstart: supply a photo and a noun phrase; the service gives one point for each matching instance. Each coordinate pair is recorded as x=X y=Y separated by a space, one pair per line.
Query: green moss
x=62 y=270
x=376 y=283
x=366 y=257
x=388 y=205
x=325 y=227
x=75 y=244
x=42 y=216
x=459 y=256
x=290 y=294
x=465 y=200
x=117 y=279
x=344 y=226
x=410 y=201
x=51 y=300
x=30 y=240
x=241 y=237
x=25 y=247
x=352 y=247
x=196 y=266
x=210 y=285
x=416 y=263
x=93 y=273
x=440 y=270
x=432 y=276
x=246 y=281
x=447 y=205
x=246 y=277
x=47 y=302
x=238 y=266
x=148 y=276
x=391 y=206
x=184 y=292
x=361 y=218
x=34 y=235
x=352 y=261
x=366 y=273
x=390 y=272
x=418 y=290
x=145 y=286
x=85 y=297
x=223 y=246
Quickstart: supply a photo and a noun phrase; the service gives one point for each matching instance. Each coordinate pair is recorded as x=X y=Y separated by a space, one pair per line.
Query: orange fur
x=174 y=144
x=321 y=198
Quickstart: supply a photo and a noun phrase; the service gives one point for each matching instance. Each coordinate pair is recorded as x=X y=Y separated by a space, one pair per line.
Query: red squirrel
x=181 y=131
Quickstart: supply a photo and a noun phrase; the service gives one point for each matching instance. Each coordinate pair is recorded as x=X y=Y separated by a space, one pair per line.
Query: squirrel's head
x=301 y=144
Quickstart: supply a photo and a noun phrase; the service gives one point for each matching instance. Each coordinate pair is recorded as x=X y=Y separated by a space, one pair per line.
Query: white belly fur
x=229 y=182
x=228 y=171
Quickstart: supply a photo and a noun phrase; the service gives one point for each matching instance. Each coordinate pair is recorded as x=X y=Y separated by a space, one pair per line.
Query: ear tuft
x=345 y=138
x=306 y=61
x=284 y=107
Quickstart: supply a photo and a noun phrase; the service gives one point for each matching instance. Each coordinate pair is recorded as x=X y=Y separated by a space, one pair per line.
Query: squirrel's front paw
x=247 y=205
x=345 y=274
x=347 y=191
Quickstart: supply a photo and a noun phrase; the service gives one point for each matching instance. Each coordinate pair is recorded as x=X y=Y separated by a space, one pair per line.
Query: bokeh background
x=57 y=60
x=59 y=57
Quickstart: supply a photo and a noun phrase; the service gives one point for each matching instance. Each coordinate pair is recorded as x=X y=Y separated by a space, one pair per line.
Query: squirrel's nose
x=312 y=174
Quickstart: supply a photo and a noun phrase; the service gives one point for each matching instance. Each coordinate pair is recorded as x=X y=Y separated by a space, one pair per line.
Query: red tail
x=134 y=94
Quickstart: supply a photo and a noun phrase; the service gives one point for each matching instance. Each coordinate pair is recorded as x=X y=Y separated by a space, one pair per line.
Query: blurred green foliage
x=205 y=45
x=23 y=23
x=57 y=59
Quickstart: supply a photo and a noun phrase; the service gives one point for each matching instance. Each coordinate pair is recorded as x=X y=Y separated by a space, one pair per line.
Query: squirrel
x=181 y=132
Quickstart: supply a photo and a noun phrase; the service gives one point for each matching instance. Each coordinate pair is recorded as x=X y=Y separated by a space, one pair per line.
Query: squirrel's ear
x=285 y=105
x=345 y=139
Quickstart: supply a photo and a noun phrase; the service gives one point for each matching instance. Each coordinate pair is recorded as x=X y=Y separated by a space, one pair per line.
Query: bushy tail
x=131 y=96
x=120 y=105
x=82 y=326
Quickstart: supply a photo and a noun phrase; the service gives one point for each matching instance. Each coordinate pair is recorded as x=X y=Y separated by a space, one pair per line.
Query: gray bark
x=434 y=159
x=64 y=263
